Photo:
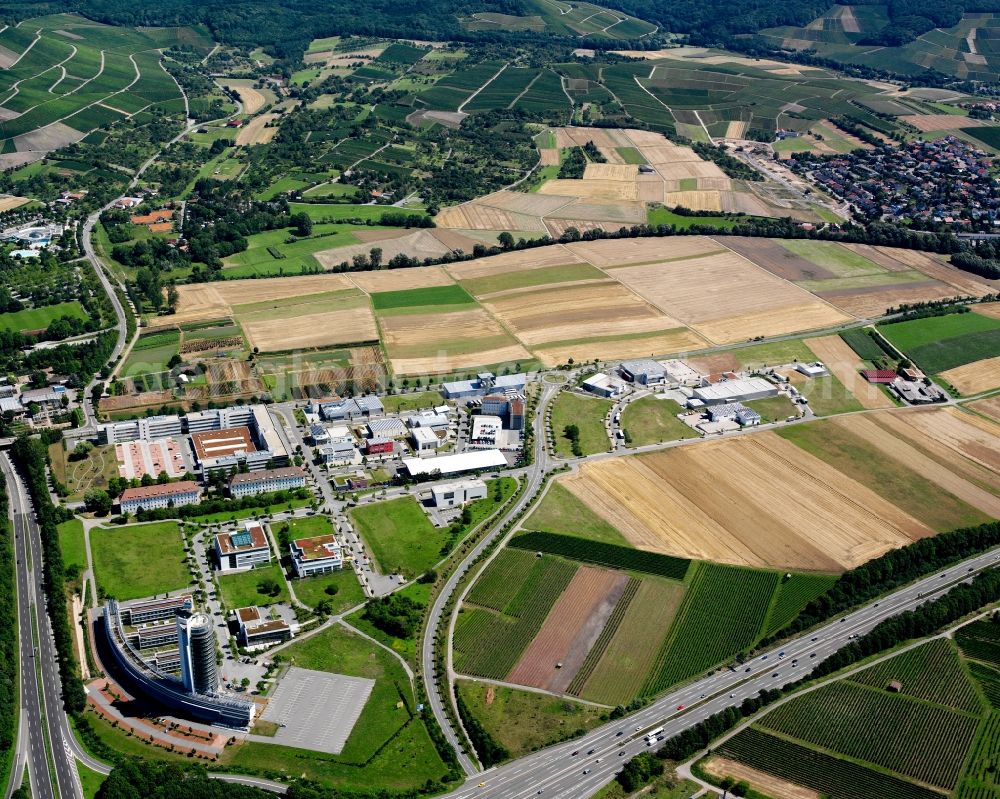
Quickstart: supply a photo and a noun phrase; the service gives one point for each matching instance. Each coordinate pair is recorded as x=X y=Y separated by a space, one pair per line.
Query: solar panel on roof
x=242 y=539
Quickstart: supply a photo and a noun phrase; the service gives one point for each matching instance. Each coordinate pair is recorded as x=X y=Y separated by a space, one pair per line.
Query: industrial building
x=149 y=610
x=679 y=373
x=604 y=385
x=485 y=383
x=339 y=451
x=349 y=408
x=644 y=372
x=509 y=406
x=242 y=550
x=258 y=631
x=249 y=484
x=816 y=369
x=424 y=439
x=745 y=417
x=430 y=419
x=196 y=653
x=453 y=495
x=486 y=430
x=470 y=461
x=317 y=555
x=386 y=428
x=168 y=495
x=739 y=390
x=379 y=445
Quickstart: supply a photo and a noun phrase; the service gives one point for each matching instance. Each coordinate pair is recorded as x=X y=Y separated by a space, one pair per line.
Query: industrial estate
x=545 y=403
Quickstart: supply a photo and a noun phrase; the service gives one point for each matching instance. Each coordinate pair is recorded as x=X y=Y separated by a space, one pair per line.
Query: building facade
x=267 y=481
x=168 y=495
x=242 y=550
x=318 y=555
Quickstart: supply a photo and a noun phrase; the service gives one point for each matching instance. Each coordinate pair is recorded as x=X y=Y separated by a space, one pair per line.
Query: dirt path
x=472 y=96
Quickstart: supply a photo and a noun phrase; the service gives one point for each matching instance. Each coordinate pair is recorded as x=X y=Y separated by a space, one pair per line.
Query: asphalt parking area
x=317 y=710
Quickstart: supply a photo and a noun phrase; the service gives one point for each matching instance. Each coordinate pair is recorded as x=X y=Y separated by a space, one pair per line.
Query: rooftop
x=252 y=536
x=165 y=490
x=317 y=547
x=219 y=443
x=460 y=462
x=267 y=474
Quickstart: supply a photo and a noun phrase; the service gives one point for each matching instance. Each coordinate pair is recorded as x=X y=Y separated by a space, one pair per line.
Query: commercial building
x=149 y=610
x=816 y=369
x=267 y=481
x=152 y=636
x=258 y=631
x=169 y=495
x=431 y=419
x=509 y=406
x=884 y=376
x=386 y=428
x=150 y=428
x=196 y=642
x=485 y=383
x=486 y=430
x=604 y=385
x=319 y=434
x=471 y=461
x=379 y=446
x=318 y=555
x=424 y=439
x=242 y=550
x=350 y=408
x=739 y=390
x=42 y=403
x=454 y=494
x=746 y=417
x=340 y=451
x=678 y=373
x=644 y=371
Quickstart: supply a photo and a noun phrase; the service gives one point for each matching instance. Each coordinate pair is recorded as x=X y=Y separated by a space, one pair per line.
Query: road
x=533 y=478
x=561 y=774
x=41 y=694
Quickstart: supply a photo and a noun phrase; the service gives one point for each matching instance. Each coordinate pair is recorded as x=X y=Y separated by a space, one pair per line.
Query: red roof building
x=878 y=375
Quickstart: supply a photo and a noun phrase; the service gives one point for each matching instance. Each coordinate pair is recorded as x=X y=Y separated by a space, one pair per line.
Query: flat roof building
x=267 y=481
x=317 y=555
x=644 y=371
x=213 y=444
x=148 y=610
x=679 y=373
x=452 y=495
x=258 y=631
x=168 y=495
x=816 y=369
x=470 y=461
x=244 y=549
x=604 y=385
x=486 y=430
x=424 y=439
x=739 y=390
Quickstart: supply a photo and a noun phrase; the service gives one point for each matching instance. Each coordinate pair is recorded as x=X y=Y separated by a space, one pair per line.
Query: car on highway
x=680 y=707
x=775 y=674
x=586 y=771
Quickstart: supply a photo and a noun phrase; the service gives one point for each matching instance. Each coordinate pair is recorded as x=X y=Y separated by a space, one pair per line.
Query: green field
x=863 y=344
x=852 y=455
x=793 y=594
x=561 y=512
x=40 y=318
x=389 y=746
x=243 y=589
x=939 y=343
x=664 y=216
x=294 y=255
x=531 y=277
x=651 y=420
x=400 y=536
x=827 y=395
x=436 y=295
x=773 y=409
x=340 y=588
x=418 y=400
x=139 y=560
x=151 y=353
x=339 y=212
x=833 y=257
x=407 y=648
x=72 y=545
x=588 y=414
x=524 y=721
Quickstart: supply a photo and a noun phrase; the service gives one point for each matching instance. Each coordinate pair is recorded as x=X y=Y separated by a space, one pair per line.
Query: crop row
x=989 y=681
x=794 y=594
x=488 y=644
x=601 y=554
x=601 y=644
x=722 y=615
x=830 y=776
x=863 y=344
x=981 y=773
x=931 y=672
x=501 y=580
x=923 y=741
x=981 y=641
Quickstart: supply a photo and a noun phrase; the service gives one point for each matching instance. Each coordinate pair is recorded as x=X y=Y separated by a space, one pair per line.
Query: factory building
x=644 y=372
x=485 y=383
x=453 y=495
x=739 y=390
x=349 y=408
x=486 y=430
x=746 y=417
x=469 y=461
x=340 y=451
x=604 y=385
x=424 y=439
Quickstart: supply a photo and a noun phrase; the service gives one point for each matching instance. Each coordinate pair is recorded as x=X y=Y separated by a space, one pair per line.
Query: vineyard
x=794 y=594
x=912 y=738
x=980 y=641
x=989 y=682
x=931 y=672
x=601 y=644
x=831 y=776
x=981 y=779
x=601 y=554
x=488 y=644
x=863 y=344
x=722 y=615
x=500 y=581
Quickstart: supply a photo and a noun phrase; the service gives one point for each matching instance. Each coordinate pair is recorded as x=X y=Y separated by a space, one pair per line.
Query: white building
x=811 y=369
x=471 y=461
x=267 y=481
x=679 y=373
x=424 y=439
x=339 y=451
x=452 y=495
x=741 y=390
x=242 y=550
x=644 y=371
x=318 y=555
x=604 y=385
x=486 y=430
x=168 y=495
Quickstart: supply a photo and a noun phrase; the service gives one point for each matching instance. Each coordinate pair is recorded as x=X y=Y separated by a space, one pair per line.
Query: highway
x=41 y=699
x=559 y=773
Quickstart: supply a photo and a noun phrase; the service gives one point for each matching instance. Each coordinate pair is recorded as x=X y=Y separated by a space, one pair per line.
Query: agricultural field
x=964 y=349
x=561 y=512
x=582 y=20
x=588 y=415
x=139 y=560
x=839 y=355
x=66 y=75
x=401 y=537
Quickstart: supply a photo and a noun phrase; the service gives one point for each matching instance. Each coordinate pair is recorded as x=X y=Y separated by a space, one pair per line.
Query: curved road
x=579 y=768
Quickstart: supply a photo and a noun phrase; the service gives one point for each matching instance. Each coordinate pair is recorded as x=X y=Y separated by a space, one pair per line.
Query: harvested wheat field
x=560 y=313
x=419 y=244
x=772 y=322
x=628 y=173
x=971 y=436
x=768 y=784
x=476 y=216
x=989 y=407
x=556 y=227
x=932 y=123
x=256 y=130
x=548 y=156
x=695 y=200
x=755 y=501
x=990 y=309
x=9 y=202
x=347 y=325
x=401 y=279
x=877 y=431
x=603 y=189
x=624 y=212
x=844 y=364
x=521 y=203
x=445 y=342
x=669 y=342
x=570 y=630
x=202 y=301
x=538 y=258
x=962 y=282
x=975 y=377
x=610 y=254
x=252 y=99
x=866 y=303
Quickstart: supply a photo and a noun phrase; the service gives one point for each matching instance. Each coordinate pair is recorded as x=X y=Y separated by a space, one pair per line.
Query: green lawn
x=524 y=721
x=72 y=544
x=410 y=298
x=398 y=403
x=39 y=318
x=246 y=513
x=90 y=780
x=406 y=647
x=587 y=413
x=293 y=256
x=561 y=512
x=773 y=354
x=139 y=560
x=651 y=420
x=400 y=536
x=833 y=257
x=310 y=526
x=337 y=212
x=347 y=591
x=630 y=155
x=773 y=409
x=240 y=590
x=931 y=330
